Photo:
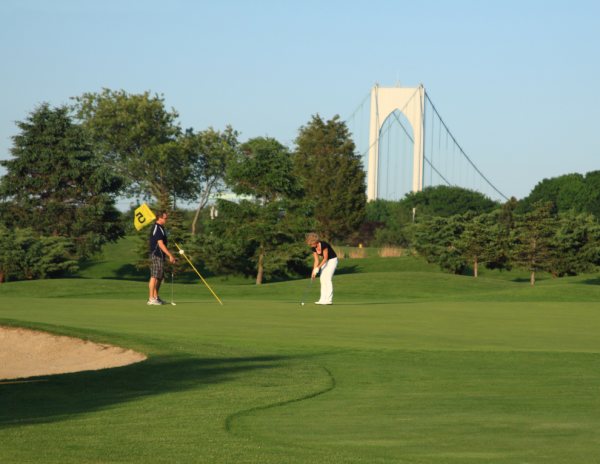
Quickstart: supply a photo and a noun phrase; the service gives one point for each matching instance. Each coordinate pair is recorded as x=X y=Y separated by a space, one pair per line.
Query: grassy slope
x=410 y=365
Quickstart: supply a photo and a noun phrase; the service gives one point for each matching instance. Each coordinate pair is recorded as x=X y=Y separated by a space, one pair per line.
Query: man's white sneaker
x=153 y=302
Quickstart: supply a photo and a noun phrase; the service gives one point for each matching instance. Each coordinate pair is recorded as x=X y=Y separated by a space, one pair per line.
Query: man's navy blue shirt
x=158 y=233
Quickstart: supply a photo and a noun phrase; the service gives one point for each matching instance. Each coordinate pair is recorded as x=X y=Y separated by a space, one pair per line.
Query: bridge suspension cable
x=424 y=157
x=359 y=107
x=462 y=151
x=444 y=160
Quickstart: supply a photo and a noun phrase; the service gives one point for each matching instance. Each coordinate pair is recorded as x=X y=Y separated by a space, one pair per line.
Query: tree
x=263 y=169
x=502 y=224
x=576 y=244
x=264 y=241
x=222 y=247
x=265 y=230
x=388 y=220
x=9 y=257
x=332 y=176
x=136 y=134
x=564 y=192
x=436 y=238
x=56 y=185
x=447 y=201
x=592 y=194
x=212 y=150
x=40 y=257
x=534 y=239
x=475 y=242
x=26 y=255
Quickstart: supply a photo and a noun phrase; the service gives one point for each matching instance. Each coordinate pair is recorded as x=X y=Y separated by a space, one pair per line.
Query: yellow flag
x=143 y=216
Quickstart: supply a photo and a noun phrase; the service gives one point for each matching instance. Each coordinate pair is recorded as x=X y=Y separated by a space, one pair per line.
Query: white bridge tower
x=410 y=102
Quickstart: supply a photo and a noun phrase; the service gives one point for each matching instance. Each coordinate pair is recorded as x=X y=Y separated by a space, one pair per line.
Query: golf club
x=305 y=290
x=172 y=302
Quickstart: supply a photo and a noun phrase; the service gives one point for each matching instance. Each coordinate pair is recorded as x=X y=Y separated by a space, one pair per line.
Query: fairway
x=408 y=366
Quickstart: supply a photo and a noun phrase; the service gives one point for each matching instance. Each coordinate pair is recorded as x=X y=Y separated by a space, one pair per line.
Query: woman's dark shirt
x=325 y=246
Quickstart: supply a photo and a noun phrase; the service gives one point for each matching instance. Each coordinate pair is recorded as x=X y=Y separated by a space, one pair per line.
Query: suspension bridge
x=406 y=146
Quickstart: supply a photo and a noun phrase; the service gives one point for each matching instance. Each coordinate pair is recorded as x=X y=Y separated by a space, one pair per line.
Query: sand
x=27 y=353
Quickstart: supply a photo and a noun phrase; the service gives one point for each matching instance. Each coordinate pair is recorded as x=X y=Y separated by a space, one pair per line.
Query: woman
x=325 y=262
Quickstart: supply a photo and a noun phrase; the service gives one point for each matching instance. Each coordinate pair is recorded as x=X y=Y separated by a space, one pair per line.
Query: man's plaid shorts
x=157 y=267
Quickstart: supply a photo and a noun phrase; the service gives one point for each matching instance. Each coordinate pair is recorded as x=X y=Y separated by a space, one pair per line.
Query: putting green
x=446 y=369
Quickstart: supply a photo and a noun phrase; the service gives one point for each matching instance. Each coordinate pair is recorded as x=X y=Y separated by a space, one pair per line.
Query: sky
x=515 y=81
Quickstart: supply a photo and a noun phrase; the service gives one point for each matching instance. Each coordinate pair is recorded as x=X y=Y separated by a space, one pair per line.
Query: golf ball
x=180 y=252
x=302 y=303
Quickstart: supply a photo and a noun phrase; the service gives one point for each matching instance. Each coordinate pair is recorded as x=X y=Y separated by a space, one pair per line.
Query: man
x=158 y=251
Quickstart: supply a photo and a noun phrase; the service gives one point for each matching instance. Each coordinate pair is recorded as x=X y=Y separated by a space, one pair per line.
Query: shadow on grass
x=55 y=398
x=347 y=269
x=125 y=272
x=129 y=272
x=595 y=281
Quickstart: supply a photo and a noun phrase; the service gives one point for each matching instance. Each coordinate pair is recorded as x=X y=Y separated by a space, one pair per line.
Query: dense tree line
x=538 y=240
x=260 y=235
x=569 y=192
x=555 y=229
x=70 y=164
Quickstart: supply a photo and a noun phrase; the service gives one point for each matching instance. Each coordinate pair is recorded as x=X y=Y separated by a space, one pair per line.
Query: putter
x=305 y=290
x=172 y=302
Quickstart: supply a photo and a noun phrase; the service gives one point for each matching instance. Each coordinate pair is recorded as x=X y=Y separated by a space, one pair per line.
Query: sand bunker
x=28 y=353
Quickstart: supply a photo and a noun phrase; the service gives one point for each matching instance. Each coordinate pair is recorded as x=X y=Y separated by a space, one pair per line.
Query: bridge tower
x=410 y=101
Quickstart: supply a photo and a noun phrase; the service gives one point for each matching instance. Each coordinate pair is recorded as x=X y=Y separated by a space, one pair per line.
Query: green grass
x=409 y=366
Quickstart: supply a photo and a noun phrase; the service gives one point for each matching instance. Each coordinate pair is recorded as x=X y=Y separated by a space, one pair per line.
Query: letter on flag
x=143 y=216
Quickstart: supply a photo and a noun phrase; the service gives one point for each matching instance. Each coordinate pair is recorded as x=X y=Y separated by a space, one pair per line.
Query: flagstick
x=181 y=252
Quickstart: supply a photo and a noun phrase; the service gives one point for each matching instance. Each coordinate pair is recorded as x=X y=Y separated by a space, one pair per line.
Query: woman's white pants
x=326 y=281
